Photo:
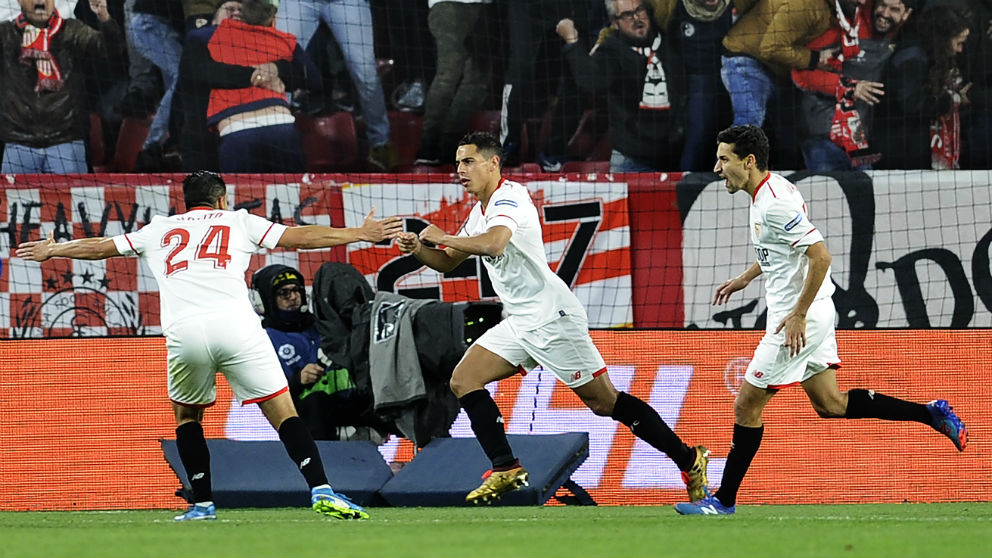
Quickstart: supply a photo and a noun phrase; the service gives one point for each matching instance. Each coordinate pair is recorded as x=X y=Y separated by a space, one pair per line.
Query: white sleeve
x=792 y=225
x=261 y=231
x=506 y=210
x=134 y=243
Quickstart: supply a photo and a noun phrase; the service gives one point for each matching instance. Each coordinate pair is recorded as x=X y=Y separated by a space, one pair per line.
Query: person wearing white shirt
x=547 y=324
x=800 y=345
x=199 y=259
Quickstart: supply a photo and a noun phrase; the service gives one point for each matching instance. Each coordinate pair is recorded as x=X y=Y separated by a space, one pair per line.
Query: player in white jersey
x=799 y=346
x=547 y=324
x=198 y=259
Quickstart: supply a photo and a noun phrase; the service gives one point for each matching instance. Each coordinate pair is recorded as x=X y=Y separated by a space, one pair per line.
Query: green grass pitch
x=894 y=530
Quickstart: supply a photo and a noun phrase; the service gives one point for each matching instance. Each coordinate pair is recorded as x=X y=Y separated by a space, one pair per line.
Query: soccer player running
x=799 y=346
x=198 y=259
x=547 y=324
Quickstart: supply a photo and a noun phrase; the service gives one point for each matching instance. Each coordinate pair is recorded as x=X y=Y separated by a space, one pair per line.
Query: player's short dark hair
x=486 y=142
x=203 y=188
x=747 y=140
x=258 y=12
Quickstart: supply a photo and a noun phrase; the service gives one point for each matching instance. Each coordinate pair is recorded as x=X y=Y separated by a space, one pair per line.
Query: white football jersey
x=199 y=258
x=781 y=232
x=531 y=293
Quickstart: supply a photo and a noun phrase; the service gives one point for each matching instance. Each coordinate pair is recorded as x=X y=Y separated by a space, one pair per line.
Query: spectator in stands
x=199 y=13
x=976 y=124
x=534 y=73
x=412 y=51
x=768 y=40
x=700 y=25
x=323 y=392
x=462 y=79
x=198 y=75
x=351 y=23
x=256 y=127
x=640 y=71
x=43 y=116
x=156 y=30
x=917 y=123
x=837 y=104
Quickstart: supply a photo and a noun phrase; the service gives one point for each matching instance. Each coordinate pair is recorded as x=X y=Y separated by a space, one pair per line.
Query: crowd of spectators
x=637 y=85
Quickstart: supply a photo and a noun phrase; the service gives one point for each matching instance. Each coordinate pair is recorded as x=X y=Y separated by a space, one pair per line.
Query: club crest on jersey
x=795 y=221
x=510 y=203
x=757 y=229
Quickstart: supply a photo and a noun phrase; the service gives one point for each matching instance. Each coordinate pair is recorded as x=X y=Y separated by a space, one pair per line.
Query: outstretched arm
x=318 y=236
x=97 y=248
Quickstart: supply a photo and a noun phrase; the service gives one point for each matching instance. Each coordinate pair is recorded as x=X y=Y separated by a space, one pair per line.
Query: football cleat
x=198 y=512
x=708 y=505
x=695 y=477
x=498 y=483
x=327 y=502
x=943 y=420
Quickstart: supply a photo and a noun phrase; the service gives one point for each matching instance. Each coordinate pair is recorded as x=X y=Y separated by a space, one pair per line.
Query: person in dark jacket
x=323 y=392
x=924 y=91
x=42 y=99
x=640 y=71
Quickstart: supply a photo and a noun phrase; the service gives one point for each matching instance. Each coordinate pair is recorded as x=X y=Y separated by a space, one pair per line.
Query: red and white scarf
x=849 y=38
x=35 y=45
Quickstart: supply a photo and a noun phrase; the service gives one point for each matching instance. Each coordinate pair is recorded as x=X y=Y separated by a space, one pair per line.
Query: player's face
x=289 y=297
x=888 y=15
x=731 y=168
x=475 y=171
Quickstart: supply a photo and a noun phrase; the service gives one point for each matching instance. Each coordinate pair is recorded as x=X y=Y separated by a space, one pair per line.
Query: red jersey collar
x=498 y=186
x=760 y=184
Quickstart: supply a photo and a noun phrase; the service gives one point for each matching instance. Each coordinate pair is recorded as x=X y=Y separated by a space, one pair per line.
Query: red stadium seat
x=586 y=166
x=405 y=130
x=129 y=142
x=97 y=151
x=485 y=121
x=330 y=142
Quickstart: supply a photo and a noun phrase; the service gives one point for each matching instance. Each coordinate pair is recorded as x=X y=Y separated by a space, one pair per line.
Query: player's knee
x=829 y=409
x=600 y=407
x=746 y=413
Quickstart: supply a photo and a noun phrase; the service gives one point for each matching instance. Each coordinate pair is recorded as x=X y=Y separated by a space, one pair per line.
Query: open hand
x=795 y=332
x=374 y=231
x=37 y=250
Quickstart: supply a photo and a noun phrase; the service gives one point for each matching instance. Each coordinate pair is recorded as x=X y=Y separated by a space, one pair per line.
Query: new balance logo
x=500 y=420
x=304 y=463
x=198 y=476
x=871 y=394
x=709 y=510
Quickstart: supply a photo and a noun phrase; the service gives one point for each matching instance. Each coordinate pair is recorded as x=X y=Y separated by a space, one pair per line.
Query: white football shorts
x=772 y=367
x=235 y=346
x=562 y=346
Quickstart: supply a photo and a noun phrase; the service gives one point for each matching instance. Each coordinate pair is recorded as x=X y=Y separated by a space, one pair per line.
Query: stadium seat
x=592 y=127
x=129 y=142
x=485 y=121
x=96 y=150
x=330 y=142
x=405 y=130
x=586 y=166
